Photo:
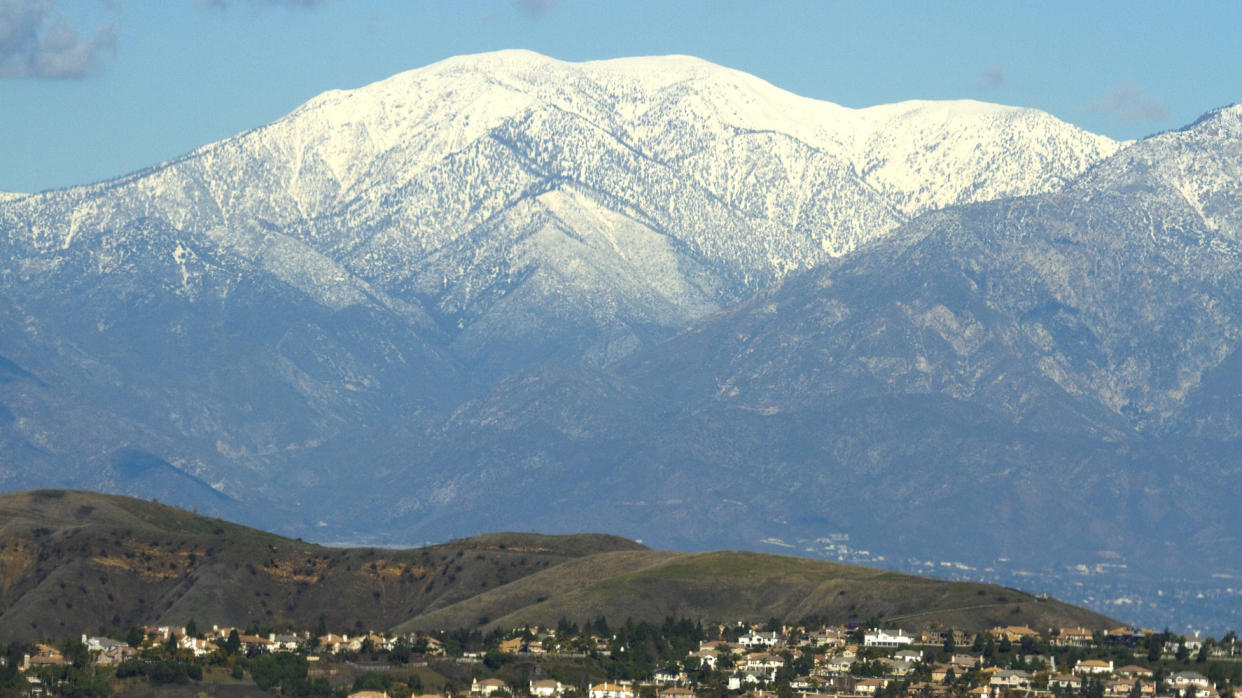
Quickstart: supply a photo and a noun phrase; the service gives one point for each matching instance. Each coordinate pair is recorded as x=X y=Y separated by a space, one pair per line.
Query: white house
x=546 y=688
x=1093 y=666
x=611 y=690
x=755 y=639
x=877 y=637
x=486 y=687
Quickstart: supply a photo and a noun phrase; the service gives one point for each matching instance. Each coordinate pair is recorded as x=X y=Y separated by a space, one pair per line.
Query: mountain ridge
x=664 y=302
x=74 y=562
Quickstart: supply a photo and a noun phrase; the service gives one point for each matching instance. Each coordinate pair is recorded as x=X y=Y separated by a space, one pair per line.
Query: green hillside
x=74 y=562
x=652 y=585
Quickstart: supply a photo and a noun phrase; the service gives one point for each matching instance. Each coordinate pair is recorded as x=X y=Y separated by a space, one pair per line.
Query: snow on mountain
x=509 y=195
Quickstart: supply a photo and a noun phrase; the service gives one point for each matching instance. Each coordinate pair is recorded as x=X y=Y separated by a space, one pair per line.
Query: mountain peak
x=1228 y=117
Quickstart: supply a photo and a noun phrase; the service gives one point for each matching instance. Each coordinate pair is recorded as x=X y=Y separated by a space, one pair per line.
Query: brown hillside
x=73 y=562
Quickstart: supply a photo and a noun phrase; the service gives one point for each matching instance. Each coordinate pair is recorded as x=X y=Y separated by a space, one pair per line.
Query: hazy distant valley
x=666 y=300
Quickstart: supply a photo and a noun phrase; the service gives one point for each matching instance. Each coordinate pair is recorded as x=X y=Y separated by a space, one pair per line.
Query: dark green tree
x=232 y=644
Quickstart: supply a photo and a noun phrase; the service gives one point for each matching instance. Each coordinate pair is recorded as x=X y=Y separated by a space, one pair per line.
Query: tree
x=191 y=628
x=950 y=646
x=400 y=652
x=1155 y=648
x=76 y=653
x=232 y=644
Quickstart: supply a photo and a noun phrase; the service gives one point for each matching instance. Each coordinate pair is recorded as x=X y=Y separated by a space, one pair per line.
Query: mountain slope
x=510 y=195
x=1050 y=379
x=653 y=585
x=73 y=562
x=255 y=313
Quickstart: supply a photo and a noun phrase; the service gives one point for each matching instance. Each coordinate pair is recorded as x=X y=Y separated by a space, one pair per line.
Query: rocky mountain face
x=1052 y=379
x=650 y=296
x=382 y=253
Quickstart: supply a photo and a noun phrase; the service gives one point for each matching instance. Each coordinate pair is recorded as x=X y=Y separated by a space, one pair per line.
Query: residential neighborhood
x=678 y=659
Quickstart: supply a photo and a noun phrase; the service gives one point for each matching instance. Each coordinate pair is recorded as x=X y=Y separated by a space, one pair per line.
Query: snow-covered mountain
x=504 y=290
x=1031 y=386
x=510 y=196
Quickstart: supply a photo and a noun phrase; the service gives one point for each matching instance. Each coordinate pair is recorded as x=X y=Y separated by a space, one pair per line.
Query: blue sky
x=92 y=89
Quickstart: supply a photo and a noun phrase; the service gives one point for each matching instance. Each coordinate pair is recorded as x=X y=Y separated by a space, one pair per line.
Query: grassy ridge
x=747 y=586
x=73 y=562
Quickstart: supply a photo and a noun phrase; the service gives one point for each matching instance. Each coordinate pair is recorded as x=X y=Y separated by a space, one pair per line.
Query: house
x=868 y=687
x=898 y=667
x=763 y=662
x=369 y=694
x=1093 y=666
x=826 y=637
x=912 y=656
x=611 y=690
x=99 y=644
x=45 y=655
x=754 y=639
x=1135 y=671
x=937 y=636
x=1073 y=637
x=1184 y=679
x=706 y=658
x=283 y=642
x=721 y=647
x=963 y=663
x=254 y=643
x=1011 y=678
x=115 y=655
x=1124 y=637
x=512 y=646
x=333 y=642
x=1125 y=687
x=379 y=642
x=877 y=637
x=486 y=687
x=676 y=692
x=838 y=664
x=750 y=678
x=546 y=688
x=804 y=683
x=106 y=651
x=666 y=677
x=199 y=647
x=1013 y=633
x=1069 y=681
